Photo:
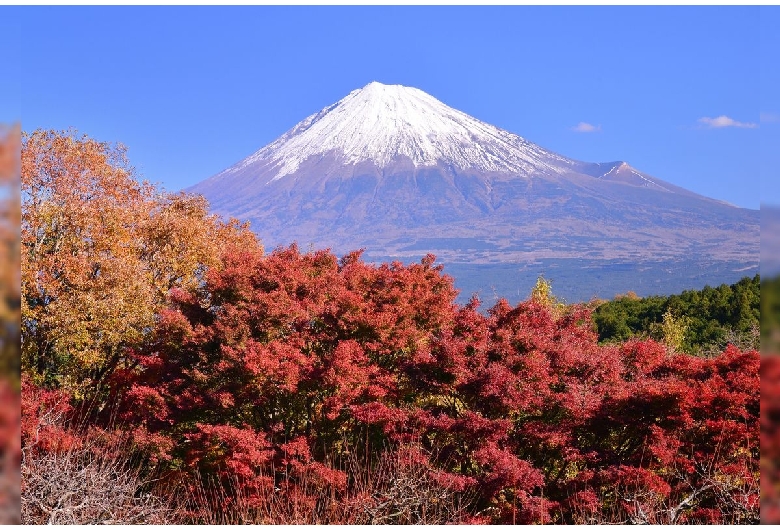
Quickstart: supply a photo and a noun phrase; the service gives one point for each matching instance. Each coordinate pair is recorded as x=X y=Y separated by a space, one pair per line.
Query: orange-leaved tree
x=9 y=251
x=9 y=324
x=100 y=251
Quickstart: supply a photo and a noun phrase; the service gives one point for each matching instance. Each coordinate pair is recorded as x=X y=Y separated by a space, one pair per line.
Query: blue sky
x=679 y=93
x=769 y=159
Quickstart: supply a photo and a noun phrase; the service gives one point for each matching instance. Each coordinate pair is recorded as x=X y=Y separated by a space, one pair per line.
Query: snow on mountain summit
x=394 y=171
x=382 y=123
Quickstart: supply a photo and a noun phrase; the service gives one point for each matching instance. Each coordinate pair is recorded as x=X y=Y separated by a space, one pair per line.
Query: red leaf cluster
x=284 y=365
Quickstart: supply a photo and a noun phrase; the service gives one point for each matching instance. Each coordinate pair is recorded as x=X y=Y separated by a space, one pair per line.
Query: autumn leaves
x=100 y=252
x=267 y=373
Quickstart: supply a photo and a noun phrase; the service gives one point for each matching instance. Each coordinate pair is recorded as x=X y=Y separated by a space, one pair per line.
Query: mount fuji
x=393 y=170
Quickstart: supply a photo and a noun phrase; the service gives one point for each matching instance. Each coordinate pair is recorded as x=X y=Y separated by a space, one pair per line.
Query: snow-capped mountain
x=382 y=123
x=392 y=169
x=390 y=125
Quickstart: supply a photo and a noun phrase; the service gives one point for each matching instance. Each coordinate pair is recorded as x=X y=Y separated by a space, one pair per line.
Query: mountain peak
x=395 y=171
x=377 y=87
x=389 y=124
x=393 y=93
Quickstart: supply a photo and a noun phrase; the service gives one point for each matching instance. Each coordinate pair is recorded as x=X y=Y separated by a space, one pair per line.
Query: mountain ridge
x=358 y=174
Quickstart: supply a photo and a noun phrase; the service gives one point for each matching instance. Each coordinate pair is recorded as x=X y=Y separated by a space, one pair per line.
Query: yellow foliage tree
x=542 y=294
x=673 y=330
x=100 y=252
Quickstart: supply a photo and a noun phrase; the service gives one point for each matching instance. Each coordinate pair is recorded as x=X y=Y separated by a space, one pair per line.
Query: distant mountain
x=770 y=240
x=393 y=170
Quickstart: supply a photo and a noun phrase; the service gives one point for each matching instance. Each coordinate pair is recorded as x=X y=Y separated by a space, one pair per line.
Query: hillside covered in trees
x=184 y=374
x=770 y=315
x=698 y=321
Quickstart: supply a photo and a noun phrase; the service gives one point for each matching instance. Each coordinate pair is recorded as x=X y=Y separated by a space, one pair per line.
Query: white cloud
x=724 y=121
x=586 y=127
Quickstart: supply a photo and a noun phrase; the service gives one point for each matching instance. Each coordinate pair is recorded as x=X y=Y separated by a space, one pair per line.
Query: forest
x=770 y=315
x=699 y=322
x=175 y=371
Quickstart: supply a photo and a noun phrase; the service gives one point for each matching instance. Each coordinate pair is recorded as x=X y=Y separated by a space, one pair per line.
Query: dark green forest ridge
x=770 y=315
x=704 y=320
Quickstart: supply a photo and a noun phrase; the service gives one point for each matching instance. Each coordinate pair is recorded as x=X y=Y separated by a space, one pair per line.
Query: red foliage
x=10 y=452
x=45 y=414
x=290 y=362
x=770 y=439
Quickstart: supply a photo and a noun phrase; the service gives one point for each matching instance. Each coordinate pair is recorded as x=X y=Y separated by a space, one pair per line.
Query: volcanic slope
x=393 y=170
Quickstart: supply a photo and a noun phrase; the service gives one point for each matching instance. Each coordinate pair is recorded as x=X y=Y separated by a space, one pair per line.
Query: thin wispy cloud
x=584 y=127
x=769 y=117
x=722 y=122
